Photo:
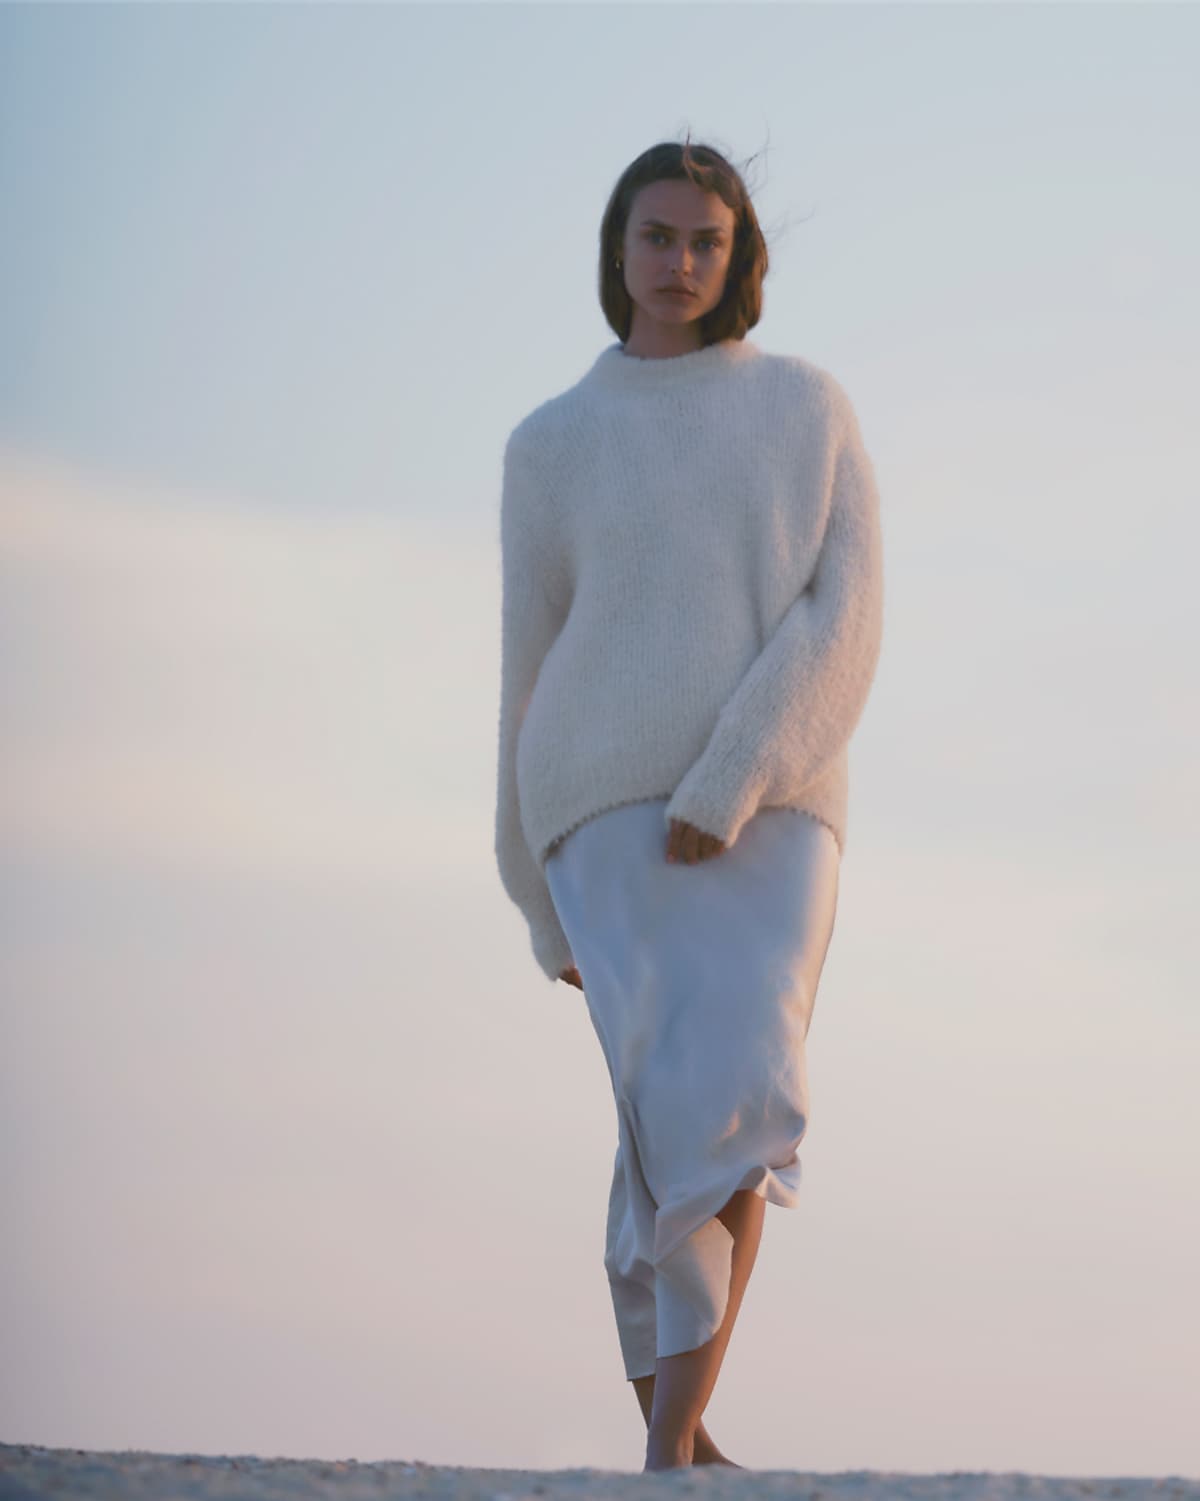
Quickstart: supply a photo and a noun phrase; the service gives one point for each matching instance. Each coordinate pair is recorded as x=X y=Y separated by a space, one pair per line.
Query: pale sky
x=301 y=1152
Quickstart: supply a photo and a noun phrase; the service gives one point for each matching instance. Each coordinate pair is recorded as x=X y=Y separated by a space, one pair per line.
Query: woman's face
x=677 y=235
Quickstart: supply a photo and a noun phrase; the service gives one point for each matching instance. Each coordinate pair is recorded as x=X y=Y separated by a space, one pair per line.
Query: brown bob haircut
x=741 y=305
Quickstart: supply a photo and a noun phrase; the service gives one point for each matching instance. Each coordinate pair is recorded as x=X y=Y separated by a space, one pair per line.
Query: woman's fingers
x=687 y=843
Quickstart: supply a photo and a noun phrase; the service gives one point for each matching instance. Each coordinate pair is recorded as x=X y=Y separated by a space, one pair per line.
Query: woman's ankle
x=705 y=1452
x=669 y=1450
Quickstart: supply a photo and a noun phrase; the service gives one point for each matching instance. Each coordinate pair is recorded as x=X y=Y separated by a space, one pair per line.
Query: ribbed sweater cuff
x=550 y=948
x=717 y=798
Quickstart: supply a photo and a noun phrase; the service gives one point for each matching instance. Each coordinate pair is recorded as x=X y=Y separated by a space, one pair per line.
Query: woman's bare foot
x=705 y=1452
x=713 y=1457
x=704 y=1449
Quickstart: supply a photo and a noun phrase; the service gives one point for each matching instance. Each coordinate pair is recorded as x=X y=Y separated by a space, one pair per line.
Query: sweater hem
x=816 y=818
x=653 y=797
x=625 y=802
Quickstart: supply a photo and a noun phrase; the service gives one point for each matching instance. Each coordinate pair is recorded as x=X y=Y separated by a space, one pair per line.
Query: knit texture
x=692 y=603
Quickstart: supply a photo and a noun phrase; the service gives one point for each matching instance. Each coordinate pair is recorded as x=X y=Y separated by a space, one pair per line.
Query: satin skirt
x=700 y=981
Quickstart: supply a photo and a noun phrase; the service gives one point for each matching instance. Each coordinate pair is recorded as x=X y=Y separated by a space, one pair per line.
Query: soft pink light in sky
x=302 y=1153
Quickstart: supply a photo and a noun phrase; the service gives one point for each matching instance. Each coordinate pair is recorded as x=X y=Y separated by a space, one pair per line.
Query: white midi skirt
x=700 y=982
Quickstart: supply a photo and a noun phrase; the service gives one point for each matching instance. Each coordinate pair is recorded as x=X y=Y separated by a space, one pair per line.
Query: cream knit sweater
x=692 y=603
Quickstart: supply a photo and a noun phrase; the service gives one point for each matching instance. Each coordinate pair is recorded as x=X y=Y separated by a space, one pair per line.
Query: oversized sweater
x=692 y=603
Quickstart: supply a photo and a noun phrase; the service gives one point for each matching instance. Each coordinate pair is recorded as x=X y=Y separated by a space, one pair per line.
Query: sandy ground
x=27 y=1470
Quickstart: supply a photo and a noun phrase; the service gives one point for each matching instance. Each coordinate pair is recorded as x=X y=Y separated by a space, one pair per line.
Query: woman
x=692 y=616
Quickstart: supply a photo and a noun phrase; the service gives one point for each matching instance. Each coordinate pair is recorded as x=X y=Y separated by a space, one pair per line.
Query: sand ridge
x=30 y=1470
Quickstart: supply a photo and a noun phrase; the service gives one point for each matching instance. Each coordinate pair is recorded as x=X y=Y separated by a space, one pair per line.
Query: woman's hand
x=571 y=976
x=687 y=843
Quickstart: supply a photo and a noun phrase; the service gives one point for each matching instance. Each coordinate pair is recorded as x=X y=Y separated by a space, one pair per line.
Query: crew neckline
x=613 y=367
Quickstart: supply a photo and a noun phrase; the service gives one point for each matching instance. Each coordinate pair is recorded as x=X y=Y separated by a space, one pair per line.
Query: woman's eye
x=657 y=234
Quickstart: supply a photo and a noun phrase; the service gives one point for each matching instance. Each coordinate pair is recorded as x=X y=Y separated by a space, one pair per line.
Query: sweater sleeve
x=798 y=703
x=529 y=623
